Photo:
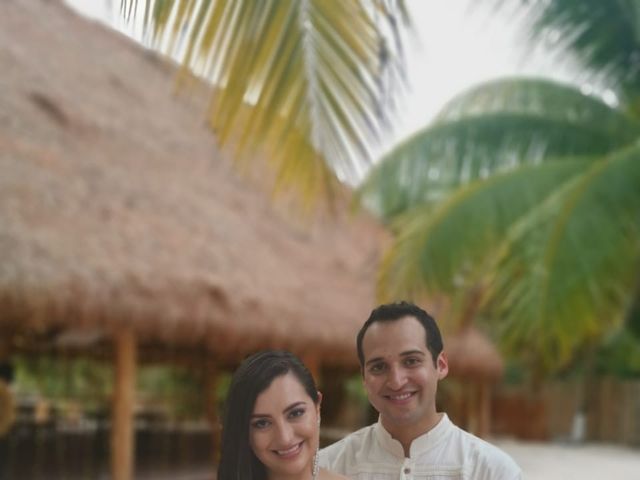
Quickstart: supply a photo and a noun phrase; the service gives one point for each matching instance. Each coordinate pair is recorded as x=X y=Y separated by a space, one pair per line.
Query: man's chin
x=399 y=419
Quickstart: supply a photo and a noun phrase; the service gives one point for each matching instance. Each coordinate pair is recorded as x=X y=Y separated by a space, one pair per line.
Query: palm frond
x=540 y=97
x=568 y=271
x=491 y=128
x=429 y=165
x=603 y=36
x=444 y=250
x=312 y=69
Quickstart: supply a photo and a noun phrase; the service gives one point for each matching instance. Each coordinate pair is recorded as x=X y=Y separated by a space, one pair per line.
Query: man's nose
x=397 y=378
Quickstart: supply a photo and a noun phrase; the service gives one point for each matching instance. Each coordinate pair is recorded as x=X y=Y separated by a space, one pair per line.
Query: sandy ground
x=539 y=461
x=549 y=461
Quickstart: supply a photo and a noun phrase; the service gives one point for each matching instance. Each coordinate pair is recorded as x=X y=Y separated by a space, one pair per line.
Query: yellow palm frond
x=300 y=81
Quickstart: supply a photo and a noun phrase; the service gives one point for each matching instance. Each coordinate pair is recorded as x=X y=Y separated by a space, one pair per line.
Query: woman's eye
x=260 y=423
x=296 y=412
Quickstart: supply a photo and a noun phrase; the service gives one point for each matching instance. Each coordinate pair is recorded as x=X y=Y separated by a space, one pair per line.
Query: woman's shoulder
x=329 y=475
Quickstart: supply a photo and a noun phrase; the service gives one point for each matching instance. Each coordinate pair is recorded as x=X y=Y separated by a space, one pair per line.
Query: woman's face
x=284 y=428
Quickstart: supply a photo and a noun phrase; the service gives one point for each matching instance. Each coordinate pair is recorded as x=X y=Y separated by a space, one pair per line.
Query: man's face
x=400 y=377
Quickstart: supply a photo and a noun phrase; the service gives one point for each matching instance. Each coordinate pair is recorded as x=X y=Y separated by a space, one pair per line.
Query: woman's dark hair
x=255 y=374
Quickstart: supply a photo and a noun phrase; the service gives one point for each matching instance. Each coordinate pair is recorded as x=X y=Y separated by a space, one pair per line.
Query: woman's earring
x=316 y=466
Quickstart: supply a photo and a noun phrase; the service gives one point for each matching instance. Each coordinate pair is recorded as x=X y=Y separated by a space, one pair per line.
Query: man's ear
x=442 y=365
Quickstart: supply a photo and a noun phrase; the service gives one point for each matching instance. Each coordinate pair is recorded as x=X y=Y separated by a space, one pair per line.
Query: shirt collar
x=419 y=445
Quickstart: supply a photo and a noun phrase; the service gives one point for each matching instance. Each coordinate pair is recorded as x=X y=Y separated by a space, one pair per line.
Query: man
x=401 y=358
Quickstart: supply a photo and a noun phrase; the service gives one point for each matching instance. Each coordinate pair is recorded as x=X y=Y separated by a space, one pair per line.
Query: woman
x=272 y=422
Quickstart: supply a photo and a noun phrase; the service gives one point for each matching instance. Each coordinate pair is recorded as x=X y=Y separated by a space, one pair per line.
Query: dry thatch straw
x=472 y=355
x=117 y=208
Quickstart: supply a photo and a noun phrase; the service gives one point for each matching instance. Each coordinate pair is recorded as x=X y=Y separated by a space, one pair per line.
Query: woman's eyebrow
x=293 y=405
x=260 y=415
x=290 y=407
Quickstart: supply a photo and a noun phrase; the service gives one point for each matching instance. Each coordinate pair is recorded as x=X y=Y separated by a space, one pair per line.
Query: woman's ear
x=318 y=403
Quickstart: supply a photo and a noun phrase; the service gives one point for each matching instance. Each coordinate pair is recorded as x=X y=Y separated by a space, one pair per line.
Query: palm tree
x=528 y=191
x=306 y=83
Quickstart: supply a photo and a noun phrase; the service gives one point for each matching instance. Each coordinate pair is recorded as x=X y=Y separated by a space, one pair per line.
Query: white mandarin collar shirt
x=444 y=453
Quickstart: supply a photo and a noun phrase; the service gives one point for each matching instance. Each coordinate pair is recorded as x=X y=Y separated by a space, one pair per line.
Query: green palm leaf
x=601 y=35
x=443 y=250
x=569 y=270
x=306 y=81
x=542 y=98
x=492 y=128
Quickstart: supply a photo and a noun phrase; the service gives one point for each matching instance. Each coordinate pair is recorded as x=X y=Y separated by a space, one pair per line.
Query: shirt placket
x=406 y=470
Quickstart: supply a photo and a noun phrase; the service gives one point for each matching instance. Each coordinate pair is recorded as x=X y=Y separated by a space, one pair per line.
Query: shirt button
x=407 y=471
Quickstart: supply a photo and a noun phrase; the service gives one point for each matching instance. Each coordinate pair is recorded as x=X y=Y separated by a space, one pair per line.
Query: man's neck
x=406 y=435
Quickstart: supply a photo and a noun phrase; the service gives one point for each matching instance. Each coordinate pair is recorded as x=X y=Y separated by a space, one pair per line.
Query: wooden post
x=122 y=431
x=484 y=409
x=471 y=407
x=211 y=405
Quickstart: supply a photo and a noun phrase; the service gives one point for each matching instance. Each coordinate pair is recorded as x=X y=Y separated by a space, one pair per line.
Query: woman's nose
x=285 y=434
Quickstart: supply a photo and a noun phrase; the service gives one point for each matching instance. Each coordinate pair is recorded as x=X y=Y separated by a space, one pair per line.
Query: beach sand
x=560 y=461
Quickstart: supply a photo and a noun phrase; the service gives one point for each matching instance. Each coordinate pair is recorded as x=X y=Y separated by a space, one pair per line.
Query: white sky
x=461 y=43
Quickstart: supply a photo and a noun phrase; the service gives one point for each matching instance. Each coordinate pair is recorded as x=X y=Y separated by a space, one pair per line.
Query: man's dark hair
x=395 y=311
x=255 y=375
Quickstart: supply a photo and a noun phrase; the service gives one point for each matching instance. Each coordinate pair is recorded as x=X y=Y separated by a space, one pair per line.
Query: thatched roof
x=472 y=355
x=117 y=208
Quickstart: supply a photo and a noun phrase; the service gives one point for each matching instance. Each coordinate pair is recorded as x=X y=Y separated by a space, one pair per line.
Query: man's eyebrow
x=412 y=352
x=374 y=360
x=402 y=354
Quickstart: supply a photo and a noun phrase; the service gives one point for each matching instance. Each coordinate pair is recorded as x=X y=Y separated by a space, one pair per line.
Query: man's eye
x=411 y=361
x=296 y=412
x=260 y=423
x=376 y=368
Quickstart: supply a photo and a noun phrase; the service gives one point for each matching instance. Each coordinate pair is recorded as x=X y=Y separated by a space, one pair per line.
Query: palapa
x=118 y=209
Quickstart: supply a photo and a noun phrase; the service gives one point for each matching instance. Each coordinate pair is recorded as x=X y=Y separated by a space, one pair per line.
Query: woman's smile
x=284 y=428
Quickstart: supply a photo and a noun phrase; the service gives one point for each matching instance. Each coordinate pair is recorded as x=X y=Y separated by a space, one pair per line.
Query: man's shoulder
x=347 y=445
x=489 y=457
x=353 y=440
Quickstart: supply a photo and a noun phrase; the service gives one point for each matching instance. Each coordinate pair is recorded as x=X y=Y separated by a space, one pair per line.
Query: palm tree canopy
x=306 y=82
x=489 y=129
x=602 y=36
x=535 y=199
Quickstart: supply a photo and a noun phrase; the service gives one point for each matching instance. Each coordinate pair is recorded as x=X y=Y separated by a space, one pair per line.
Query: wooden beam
x=122 y=431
